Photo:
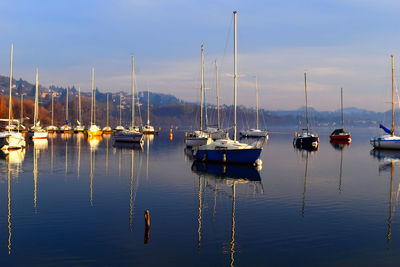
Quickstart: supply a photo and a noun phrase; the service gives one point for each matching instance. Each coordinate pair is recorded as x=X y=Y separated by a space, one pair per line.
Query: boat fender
x=224 y=157
x=204 y=157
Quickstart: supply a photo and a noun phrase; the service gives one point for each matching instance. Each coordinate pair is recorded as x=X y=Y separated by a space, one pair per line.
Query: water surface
x=74 y=201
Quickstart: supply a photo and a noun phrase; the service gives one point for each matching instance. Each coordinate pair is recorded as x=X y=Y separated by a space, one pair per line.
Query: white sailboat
x=199 y=137
x=132 y=135
x=148 y=129
x=107 y=129
x=93 y=130
x=120 y=127
x=389 y=140
x=227 y=150
x=66 y=128
x=38 y=131
x=255 y=132
x=52 y=128
x=80 y=128
x=11 y=140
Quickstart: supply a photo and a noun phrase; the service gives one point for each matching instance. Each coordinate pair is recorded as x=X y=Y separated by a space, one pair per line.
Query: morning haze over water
x=207 y=133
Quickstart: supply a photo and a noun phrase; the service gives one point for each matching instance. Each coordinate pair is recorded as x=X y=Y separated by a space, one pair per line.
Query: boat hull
x=14 y=141
x=128 y=138
x=238 y=156
x=95 y=133
x=385 y=144
x=343 y=137
x=308 y=141
x=40 y=135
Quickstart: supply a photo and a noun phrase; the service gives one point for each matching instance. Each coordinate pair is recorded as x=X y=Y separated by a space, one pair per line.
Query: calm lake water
x=70 y=201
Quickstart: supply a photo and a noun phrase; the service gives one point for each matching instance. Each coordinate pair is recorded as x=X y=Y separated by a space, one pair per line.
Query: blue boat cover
x=385 y=129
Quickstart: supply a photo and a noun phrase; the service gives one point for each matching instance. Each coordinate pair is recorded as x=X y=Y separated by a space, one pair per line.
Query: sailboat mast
x=120 y=109
x=217 y=94
x=92 y=113
x=257 y=103
x=341 y=105
x=133 y=93
x=66 y=109
x=305 y=92
x=202 y=87
x=79 y=105
x=148 y=106
x=11 y=77
x=52 y=108
x=107 y=111
x=392 y=130
x=235 y=75
x=35 y=117
x=22 y=108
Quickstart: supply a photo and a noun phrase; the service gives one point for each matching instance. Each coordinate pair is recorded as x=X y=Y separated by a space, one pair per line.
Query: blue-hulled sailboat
x=389 y=140
x=227 y=150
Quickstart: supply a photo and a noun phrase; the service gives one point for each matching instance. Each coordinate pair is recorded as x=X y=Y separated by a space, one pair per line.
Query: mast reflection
x=14 y=160
x=340 y=145
x=228 y=175
x=305 y=155
x=388 y=158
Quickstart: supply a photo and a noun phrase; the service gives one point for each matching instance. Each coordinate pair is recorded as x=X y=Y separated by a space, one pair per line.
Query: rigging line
x=227 y=41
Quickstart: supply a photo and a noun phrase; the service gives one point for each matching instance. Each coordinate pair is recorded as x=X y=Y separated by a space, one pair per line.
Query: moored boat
x=133 y=134
x=93 y=130
x=341 y=134
x=306 y=139
x=227 y=150
x=389 y=140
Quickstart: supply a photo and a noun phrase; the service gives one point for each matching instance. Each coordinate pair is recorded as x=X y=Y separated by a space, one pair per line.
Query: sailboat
x=199 y=137
x=341 y=134
x=38 y=131
x=94 y=130
x=120 y=127
x=227 y=150
x=80 y=128
x=389 y=140
x=66 y=128
x=11 y=140
x=306 y=139
x=52 y=128
x=148 y=129
x=217 y=133
x=255 y=132
x=132 y=135
x=107 y=129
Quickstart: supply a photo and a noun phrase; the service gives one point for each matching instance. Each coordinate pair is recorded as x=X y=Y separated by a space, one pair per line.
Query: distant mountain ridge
x=167 y=109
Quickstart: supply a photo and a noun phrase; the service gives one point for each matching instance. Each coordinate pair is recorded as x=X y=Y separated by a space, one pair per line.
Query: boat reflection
x=94 y=141
x=306 y=147
x=40 y=144
x=214 y=177
x=128 y=146
x=389 y=159
x=339 y=144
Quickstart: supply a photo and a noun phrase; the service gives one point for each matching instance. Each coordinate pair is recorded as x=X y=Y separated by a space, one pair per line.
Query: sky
x=339 y=43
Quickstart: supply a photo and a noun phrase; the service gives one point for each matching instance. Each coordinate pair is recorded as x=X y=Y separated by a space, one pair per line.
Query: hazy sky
x=339 y=43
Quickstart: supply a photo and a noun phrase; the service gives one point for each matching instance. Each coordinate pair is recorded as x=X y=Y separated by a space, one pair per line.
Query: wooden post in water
x=146 y=226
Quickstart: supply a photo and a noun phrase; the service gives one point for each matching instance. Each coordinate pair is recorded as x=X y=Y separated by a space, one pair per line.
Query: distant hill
x=167 y=110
